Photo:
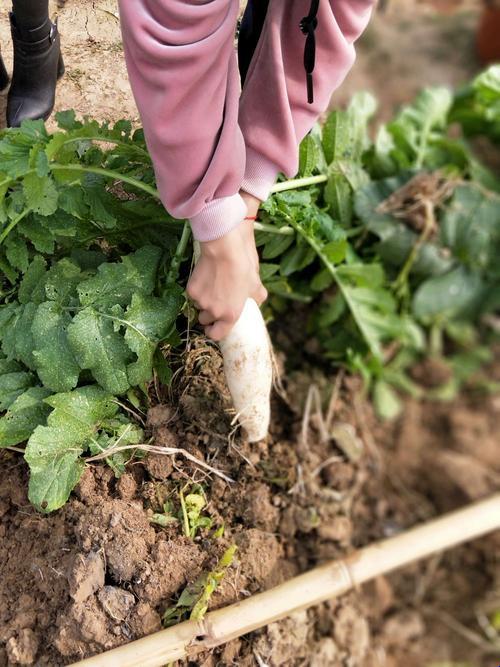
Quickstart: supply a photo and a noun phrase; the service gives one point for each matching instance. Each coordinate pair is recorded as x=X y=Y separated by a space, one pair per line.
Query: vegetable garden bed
x=385 y=250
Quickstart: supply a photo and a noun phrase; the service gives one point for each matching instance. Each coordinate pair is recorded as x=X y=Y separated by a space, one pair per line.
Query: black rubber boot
x=4 y=77
x=38 y=64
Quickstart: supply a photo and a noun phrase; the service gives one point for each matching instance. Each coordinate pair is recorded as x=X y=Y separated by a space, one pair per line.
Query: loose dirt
x=99 y=573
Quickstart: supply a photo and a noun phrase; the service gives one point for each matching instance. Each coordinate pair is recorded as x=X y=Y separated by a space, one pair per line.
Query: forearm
x=182 y=67
x=274 y=124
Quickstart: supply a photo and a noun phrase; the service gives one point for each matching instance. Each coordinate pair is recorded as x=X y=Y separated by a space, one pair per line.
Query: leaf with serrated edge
x=53 y=358
x=41 y=194
x=148 y=321
x=23 y=416
x=17 y=341
x=53 y=451
x=116 y=282
x=31 y=287
x=16 y=252
x=61 y=280
x=12 y=385
x=98 y=348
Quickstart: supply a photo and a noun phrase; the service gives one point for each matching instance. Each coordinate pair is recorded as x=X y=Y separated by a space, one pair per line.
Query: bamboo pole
x=320 y=584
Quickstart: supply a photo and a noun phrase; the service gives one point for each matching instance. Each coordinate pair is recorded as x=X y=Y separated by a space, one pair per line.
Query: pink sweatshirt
x=207 y=141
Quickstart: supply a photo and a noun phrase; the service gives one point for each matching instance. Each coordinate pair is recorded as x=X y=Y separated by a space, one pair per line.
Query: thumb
x=260 y=294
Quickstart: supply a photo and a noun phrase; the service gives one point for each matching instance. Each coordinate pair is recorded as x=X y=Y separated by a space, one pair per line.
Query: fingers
x=205 y=317
x=192 y=290
x=219 y=290
x=260 y=294
x=219 y=330
x=218 y=321
x=219 y=327
x=211 y=313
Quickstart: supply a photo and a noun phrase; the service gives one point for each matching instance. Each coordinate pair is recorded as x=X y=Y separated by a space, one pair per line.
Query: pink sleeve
x=182 y=66
x=274 y=112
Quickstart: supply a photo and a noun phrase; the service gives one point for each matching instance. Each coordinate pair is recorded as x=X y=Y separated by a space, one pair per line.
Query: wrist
x=252 y=203
x=224 y=248
x=218 y=218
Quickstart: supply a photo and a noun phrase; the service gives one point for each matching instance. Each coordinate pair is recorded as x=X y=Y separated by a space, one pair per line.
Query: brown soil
x=98 y=573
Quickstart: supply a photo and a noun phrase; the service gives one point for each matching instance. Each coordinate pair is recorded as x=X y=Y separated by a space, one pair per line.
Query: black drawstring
x=308 y=25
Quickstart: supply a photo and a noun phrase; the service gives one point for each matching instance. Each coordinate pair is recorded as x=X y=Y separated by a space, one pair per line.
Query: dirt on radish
x=100 y=572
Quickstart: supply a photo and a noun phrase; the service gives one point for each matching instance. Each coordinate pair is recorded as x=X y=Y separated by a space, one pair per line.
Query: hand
x=226 y=274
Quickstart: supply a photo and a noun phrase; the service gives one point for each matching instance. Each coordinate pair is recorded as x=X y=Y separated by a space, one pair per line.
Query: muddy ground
x=99 y=573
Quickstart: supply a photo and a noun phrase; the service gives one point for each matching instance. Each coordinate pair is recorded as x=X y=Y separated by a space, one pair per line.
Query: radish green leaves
x=92 y=268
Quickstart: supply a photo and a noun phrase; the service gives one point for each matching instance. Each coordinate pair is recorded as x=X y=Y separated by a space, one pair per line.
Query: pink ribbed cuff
x=260 y=175
x=218 y=217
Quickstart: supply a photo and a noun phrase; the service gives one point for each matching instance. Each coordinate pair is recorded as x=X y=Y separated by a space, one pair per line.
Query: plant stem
x=401 y=281
x=271 y=229
x=299 y=183
x=108 y=173
x=127 y=324
x=436 y=339
x=13 y=223
x=338 y=280
x=107 y=140
x=173 y=272
x=353 y=231
x=422 y=146
x=187 y=527
x=301 y=298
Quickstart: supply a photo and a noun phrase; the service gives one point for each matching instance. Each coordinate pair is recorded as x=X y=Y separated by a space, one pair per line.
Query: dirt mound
x=101 y=571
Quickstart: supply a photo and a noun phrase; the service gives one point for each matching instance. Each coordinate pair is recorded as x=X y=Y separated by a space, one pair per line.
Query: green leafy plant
x=89 y=292
x=165 y=518
x=192 y=506
x=189 y=514
x=391 y=242
x=477 y=106
x=195 y=598
x=389 y=238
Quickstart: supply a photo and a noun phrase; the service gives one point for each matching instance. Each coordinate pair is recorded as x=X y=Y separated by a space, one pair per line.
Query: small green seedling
x=189 y=515
x=195 y=598
x=192 y=506
x=165 y=518
x=219 y=532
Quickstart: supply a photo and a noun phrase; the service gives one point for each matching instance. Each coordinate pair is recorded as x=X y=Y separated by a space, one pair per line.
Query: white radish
x=248 y=367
